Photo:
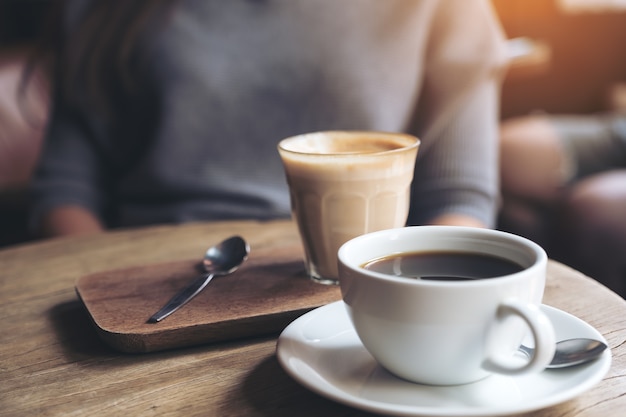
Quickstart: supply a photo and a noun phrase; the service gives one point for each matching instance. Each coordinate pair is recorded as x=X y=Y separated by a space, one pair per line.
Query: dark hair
x=96 y=46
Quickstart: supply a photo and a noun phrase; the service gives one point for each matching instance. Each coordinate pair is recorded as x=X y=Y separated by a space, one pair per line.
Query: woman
x=170 y=111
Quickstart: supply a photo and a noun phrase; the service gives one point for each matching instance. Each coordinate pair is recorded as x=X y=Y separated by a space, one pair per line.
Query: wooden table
x=53 y=363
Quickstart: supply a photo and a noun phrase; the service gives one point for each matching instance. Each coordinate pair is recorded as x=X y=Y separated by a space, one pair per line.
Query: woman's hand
x=70 y=220
x=457 y=220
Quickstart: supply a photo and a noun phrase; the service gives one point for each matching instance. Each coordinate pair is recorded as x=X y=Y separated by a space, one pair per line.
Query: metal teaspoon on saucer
x=571 y=352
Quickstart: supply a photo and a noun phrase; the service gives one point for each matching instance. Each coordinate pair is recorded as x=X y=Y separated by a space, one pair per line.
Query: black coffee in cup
x=444 y=266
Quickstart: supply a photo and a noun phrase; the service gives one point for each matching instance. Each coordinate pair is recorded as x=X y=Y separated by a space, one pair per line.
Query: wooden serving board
x=262 y=297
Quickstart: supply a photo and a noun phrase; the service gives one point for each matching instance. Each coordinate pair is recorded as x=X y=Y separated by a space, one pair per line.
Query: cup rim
x=414 y=142
x=540 y=260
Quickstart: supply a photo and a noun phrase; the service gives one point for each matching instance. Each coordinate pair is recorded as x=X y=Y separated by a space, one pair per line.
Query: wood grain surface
x=53 y=363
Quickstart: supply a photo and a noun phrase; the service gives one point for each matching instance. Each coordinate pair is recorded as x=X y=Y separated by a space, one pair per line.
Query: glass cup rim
x=412 y=142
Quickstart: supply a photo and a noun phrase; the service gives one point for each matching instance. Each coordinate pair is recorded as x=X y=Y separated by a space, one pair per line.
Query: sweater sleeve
x=70 y=167
x=457 y=115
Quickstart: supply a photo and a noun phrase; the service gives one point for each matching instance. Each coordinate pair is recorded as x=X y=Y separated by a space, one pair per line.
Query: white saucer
x=322 y=351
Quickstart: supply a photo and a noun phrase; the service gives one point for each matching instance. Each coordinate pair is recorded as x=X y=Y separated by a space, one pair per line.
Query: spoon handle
x=182 y=298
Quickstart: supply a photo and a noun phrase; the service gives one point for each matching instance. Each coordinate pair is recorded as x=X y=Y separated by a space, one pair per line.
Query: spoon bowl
x=225 y=257
x=571 y=352
x=221 y=259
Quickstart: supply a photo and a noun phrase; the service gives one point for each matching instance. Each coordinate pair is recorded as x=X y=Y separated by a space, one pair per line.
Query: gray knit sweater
x=224 y=81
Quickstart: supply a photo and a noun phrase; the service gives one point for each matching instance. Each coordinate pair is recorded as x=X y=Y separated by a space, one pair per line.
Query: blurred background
x=567 y=56
x=573 y=55
x=22 y=116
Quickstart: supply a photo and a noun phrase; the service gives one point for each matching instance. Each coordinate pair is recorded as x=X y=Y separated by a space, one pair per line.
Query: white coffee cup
x=447 y=332
x=343 y=184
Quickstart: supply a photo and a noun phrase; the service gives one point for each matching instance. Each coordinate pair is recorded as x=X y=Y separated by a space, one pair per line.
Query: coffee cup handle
x=542 y=332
